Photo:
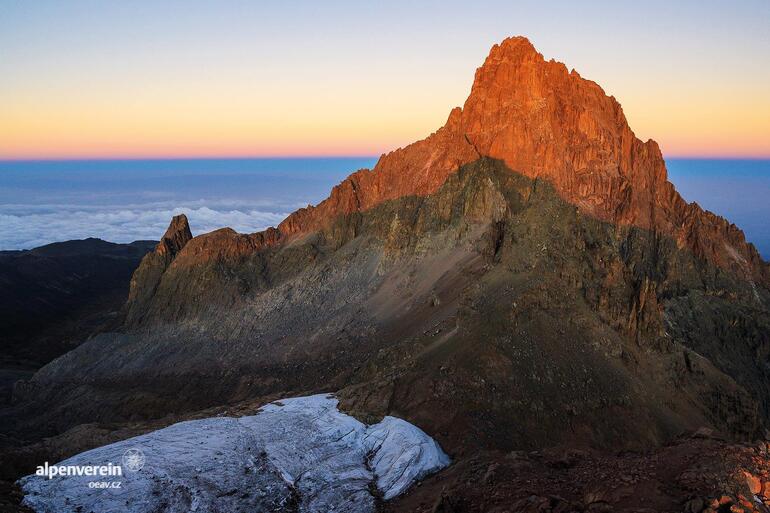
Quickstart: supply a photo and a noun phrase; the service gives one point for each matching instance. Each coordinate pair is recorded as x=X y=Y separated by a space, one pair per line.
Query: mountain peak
x=545 y=122
x=176 y=237
x=514 y=47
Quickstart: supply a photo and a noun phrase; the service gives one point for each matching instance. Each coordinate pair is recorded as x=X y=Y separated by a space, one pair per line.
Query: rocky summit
x=524 y=285
x=542 y=121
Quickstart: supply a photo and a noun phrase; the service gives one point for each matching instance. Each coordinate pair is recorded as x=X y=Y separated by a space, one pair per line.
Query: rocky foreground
x=699 y=472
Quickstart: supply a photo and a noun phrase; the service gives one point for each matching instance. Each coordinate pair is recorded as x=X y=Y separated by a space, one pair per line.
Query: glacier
x=298 y=454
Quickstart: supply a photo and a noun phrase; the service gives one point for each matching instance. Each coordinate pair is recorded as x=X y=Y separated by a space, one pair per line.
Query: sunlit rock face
x=547 y=122
x=299 y=454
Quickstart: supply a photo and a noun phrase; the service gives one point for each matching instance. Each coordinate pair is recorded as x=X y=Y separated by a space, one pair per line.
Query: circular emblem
x=133 y=459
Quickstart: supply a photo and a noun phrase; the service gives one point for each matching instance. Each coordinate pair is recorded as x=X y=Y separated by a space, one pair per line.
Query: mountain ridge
x=544 y=122
x=491 y=314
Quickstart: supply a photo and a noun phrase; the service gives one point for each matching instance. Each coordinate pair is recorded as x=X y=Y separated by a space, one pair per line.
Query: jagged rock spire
x=148 y=275
x=176 y=237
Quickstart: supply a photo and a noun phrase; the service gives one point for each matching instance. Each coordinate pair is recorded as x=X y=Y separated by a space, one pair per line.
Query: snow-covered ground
x=299 y=454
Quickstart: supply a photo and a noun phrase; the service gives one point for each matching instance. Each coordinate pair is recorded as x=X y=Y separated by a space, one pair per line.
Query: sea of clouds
x=123 y=201
x=29 y=226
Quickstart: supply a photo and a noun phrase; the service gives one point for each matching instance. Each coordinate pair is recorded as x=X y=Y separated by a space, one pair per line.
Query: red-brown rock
x=753 y=482
x=547 y=122
x=177 y=235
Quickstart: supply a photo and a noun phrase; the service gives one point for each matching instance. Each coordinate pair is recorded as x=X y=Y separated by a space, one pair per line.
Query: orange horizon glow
x=235 y=121
x=133 y=80
x=246 y=156
x=50 y=125
x=206 y=150
x=731 y=129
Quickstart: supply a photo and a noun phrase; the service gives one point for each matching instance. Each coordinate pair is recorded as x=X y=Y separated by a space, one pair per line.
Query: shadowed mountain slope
x=55 y=296
x=524 y=277
x=492 y=313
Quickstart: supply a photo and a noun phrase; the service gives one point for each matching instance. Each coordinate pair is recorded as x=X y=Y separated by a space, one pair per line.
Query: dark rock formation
x=492 y=313
x=692 y=474
x=55 y=296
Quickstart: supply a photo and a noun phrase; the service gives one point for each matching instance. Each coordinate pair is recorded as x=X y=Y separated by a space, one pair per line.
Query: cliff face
x=611 y=232
x=522 y=278
x=546 y=122
x=492 y=313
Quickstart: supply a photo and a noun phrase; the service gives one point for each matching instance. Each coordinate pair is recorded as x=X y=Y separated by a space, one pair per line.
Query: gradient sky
x=245 y=78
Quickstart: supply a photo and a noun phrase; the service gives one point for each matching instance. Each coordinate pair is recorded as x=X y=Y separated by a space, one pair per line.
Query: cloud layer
x=24 y=227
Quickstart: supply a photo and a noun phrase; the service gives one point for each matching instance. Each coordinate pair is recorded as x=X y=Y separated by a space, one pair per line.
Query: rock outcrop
x=543 y=121
x=145 y=280
x=547 y=122
x=177 y=235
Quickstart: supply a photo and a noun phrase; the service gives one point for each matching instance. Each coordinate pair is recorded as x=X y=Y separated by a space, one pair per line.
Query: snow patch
x=298 y=454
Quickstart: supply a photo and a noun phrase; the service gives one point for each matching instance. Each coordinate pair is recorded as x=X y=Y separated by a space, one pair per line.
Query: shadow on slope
x=492 y=314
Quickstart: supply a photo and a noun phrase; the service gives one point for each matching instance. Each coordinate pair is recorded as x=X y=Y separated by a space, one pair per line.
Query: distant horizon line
x=302 y=157
x=194 y=157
